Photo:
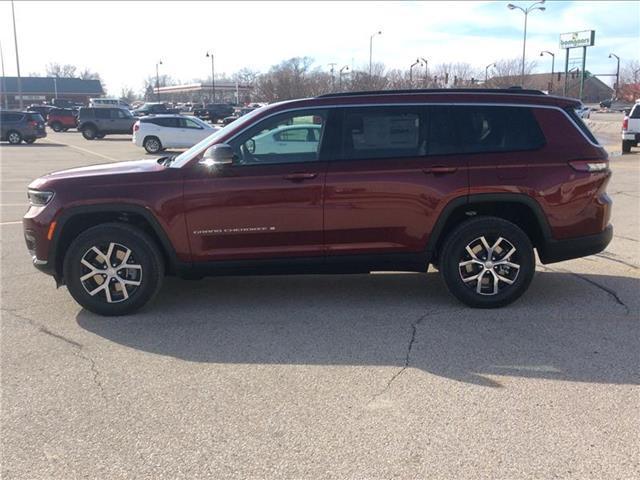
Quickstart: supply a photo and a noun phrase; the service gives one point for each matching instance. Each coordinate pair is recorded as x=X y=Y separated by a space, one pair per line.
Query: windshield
x=187 y=155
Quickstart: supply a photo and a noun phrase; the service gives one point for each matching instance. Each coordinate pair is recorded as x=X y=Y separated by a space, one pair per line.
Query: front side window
x=287 y=138
x=383 y=132
x=103 y=113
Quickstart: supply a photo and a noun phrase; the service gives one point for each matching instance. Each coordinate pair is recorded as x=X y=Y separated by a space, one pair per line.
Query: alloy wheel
x=489 y=268
x=111 y=272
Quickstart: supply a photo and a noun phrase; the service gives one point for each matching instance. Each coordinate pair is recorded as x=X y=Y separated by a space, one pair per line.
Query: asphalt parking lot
x=351 y=377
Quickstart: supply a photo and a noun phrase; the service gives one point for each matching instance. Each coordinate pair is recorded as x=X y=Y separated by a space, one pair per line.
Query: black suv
x=152 y=108
x=213 y=112
x=18 y=126
x=101 y=121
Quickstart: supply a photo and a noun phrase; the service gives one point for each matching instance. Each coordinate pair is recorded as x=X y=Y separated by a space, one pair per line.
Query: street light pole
x=379 y=32
x=158 y=63
x=617 y=72
x=15 y=40
x=553 y=61
x=345 y=68
x=6 y=100
x=417 y=62
x=333 y=77
x=486 y=72
x=526 y=11
x=213 y=77
x=426 y=70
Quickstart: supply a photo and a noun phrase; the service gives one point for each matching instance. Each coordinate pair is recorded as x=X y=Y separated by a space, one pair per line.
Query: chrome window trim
x=402 y=104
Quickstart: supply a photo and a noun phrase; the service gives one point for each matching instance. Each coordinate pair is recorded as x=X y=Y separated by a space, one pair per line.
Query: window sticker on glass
x=400 y=131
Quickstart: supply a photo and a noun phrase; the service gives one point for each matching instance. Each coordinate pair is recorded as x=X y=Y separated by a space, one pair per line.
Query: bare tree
x=58 y=70
x=127 y=94
x=630 y=72
x=293 y=78
x=87 y=74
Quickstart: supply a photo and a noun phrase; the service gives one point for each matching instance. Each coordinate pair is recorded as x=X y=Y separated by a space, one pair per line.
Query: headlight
x=39 y=198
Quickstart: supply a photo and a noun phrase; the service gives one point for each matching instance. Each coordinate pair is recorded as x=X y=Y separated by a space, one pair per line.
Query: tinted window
x=11 y=117
x=102 y=113
x=36 y=117
x=581 y=125
x=270 y=141
x=165 y=122
x=188 y=123
x=477 y=129
x=635 y=113
x=383 y=132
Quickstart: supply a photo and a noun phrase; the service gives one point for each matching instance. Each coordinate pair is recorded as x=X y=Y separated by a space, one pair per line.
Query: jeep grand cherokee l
x=471 y=181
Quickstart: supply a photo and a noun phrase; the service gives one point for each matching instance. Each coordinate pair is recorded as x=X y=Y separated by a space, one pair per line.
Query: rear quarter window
x=635 y=112
x=580 y=124
x=36 y=117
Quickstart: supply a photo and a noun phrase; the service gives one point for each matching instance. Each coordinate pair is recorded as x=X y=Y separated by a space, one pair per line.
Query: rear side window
x=103 y=113
x=581 y=125
x=482 y=129
x=635 y=112
x=383 y=132
x=165 y=122
x=11 y=117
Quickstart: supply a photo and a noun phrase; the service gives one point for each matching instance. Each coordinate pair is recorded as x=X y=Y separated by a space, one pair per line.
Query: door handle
x=439 y=170
x=298 y=177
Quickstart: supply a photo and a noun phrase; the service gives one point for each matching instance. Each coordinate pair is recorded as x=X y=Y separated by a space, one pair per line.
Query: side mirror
x=221 y=154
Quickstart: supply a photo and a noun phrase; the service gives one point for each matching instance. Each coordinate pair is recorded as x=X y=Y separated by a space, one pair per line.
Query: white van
x=108 y=102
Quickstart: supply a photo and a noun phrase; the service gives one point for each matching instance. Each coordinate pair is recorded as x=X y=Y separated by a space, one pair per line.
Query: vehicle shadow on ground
x=564 y=328
x=36 y=144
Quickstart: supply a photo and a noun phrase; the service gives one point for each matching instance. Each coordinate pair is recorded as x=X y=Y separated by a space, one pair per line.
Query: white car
x=158 y=132
x=631 y=129
x=287 y=139
x=583 y=111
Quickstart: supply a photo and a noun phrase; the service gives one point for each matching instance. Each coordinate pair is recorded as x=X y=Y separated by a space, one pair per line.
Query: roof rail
x=510 y=90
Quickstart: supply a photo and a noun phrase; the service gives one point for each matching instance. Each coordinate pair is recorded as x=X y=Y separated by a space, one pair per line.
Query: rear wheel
x=56 y=126
x=626 y=146
x=89 y=132
x=152 y=144
x=487 y=262
x=14 y=137
x=113 y=269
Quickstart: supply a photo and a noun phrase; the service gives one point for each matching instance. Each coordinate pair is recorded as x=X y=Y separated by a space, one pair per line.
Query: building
x=595 y=90
x=225 y=92
x=45 y=89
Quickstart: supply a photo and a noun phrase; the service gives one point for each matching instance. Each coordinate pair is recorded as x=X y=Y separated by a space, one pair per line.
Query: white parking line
x=106 y=157
x=14 y=204
x=19 y=222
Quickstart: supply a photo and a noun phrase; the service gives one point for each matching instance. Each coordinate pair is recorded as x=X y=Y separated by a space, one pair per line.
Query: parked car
x=154 y=108
x=616 y=105
x=101 y=121
x=631 y=129
x=62 y=119
x=236 y=115
x=214 y=112
x=398 y=180
x=43 y=110
x=108 y=103
x=583 y=111
x=16 y=126
x=157 y=133
x=300 y=138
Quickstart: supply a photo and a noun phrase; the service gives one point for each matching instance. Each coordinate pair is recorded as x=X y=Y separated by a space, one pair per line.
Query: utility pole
x=159 y=62
x=379 y=32
x=213 y=77
x=333 y=78
x=4 y=87
x=15 y=39
x=617 y=87
x=526 y=11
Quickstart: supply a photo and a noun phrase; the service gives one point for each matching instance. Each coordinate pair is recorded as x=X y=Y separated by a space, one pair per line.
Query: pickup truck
x=631 y=129
x=153 y=108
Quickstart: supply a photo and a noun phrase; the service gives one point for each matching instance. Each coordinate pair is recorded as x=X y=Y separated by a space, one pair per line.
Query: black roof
x=44 y=85
x=511 y=90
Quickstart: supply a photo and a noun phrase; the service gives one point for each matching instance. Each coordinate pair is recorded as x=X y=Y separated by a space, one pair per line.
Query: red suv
x=470 y=181
x=62 y=119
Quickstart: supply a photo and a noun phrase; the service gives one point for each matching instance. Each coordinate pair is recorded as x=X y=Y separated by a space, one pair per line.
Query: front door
x=268 y=203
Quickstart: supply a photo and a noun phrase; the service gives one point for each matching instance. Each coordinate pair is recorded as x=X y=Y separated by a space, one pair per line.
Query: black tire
x=89 y=132
x=14 y=137
x=29 y=140
x=56 y=127
x=626 y=146
x=152 y=144
x=100 y=135
x=469 y=233
x=145 y=257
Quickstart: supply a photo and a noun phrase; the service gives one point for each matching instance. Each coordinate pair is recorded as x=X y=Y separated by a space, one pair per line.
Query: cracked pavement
x=347 y=377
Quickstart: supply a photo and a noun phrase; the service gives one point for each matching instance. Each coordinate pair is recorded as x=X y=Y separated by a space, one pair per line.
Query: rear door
x=190 y=132
x=385 y=192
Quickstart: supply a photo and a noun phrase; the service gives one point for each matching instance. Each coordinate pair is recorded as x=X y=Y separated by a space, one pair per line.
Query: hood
x=101 y=170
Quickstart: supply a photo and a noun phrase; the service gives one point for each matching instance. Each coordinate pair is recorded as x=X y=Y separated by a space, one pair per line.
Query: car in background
x=236 y=115
x=631 y=129
x=157 y=133
x=41 y=109
x=616 y=105
x=108 y=102
x=101 y=121
x=16 y=126
x=583 y=111
x=214 y=112
x=286 y=139
x=62 y=119
x=154 y=108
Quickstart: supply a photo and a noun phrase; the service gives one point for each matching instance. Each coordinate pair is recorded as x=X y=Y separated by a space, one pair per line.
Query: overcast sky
x=123 y=40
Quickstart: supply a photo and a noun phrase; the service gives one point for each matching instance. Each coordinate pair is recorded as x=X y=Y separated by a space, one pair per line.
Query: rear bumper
x=631 y=136
x=558 y=250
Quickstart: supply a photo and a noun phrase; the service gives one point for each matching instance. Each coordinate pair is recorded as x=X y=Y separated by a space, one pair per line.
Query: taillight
x=136 y=126
x=590 y=166
x=33 y=123
x=625 y=123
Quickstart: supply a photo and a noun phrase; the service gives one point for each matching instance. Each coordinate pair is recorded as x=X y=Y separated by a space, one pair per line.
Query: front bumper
x=559 y=250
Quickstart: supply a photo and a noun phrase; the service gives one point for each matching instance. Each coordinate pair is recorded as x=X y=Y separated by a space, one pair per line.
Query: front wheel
x=14 y=138
x=152 y=144
x=487 y=262
x=89 y=132
x=113 y=269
